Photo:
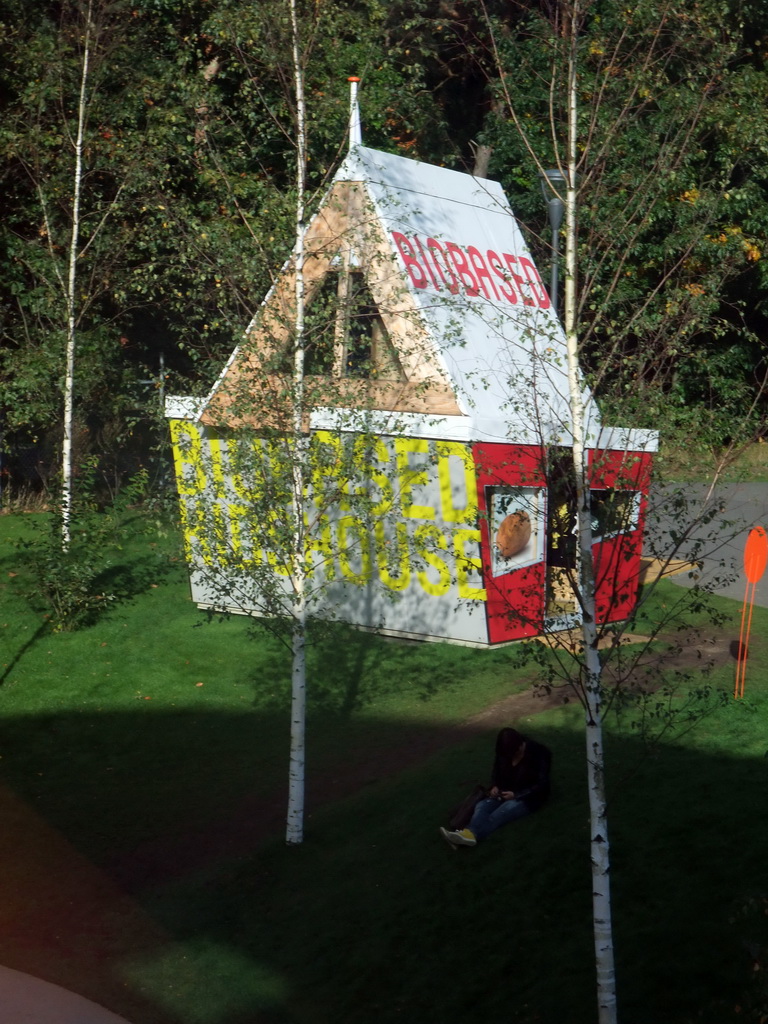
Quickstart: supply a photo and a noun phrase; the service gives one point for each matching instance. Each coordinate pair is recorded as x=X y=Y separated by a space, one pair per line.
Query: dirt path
x=256 y=819
x=237 y=835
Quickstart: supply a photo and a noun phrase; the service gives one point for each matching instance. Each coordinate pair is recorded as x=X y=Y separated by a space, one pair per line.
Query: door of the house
x=562 y=609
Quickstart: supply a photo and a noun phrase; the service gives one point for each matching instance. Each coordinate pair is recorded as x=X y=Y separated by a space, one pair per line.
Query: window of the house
x=345 y=334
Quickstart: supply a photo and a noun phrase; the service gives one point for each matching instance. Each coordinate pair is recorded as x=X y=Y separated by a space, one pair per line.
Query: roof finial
x=355 y=134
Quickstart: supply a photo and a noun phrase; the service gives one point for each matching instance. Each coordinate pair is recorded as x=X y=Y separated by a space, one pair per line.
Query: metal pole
x=553 y=185
x=556 y=209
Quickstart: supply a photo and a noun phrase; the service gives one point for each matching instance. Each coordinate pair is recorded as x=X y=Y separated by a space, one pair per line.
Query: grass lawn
x=138 y=755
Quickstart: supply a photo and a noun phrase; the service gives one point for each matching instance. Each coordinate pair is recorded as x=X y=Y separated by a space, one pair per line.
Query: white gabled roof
x=467 y=311
x=496 y=334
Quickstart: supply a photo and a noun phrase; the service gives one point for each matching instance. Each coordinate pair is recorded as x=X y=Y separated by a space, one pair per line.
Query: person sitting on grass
x=519 y=786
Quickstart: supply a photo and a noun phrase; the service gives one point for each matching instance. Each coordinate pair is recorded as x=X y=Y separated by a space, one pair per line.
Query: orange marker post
x=755 y=560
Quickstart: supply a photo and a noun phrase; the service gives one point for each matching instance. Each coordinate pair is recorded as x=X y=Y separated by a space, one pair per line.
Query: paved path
x=63 y=919
x=725 y=518
x=28 y=1000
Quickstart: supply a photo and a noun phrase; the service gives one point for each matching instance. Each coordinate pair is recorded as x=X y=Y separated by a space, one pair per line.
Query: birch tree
x=317 y=343
x=580 y=145
x=75 y=171
x=66 y=277
x=591 y=685
x=69 y=288
x=599 y=848
x=295 y=822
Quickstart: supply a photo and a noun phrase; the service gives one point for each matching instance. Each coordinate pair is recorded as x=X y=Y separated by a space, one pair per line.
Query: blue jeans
x=491 y=814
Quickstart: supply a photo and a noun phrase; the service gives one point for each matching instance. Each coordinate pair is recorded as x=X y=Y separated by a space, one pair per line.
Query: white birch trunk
x=601 y=893
x=295 y=822
x=70 y=296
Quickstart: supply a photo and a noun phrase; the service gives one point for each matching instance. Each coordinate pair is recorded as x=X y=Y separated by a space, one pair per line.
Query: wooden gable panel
x=344 y=233
x=269 y=400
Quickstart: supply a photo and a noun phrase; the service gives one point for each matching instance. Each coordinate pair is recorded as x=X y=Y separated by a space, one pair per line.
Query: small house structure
x=443 y=352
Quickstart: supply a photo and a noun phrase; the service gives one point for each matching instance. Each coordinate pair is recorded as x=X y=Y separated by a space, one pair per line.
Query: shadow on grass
x=351 y=669
x=42 y=630
x=106 y=566
x=122 y=582
x=143 y=857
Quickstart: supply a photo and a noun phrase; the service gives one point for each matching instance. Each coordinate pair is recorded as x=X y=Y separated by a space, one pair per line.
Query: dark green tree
x=671 y=198
x=76 y=166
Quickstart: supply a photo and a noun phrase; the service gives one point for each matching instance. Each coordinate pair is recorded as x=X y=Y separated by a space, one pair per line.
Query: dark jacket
x=528 y=780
